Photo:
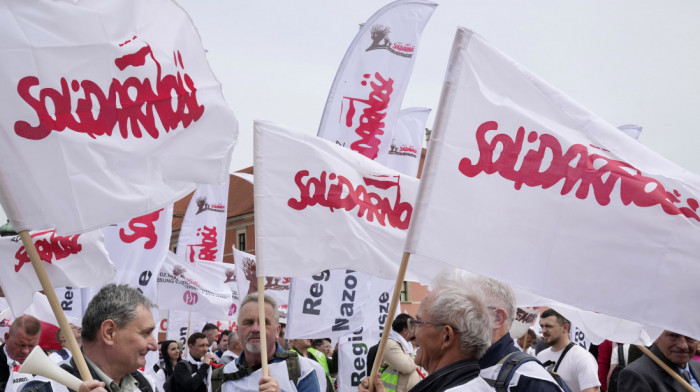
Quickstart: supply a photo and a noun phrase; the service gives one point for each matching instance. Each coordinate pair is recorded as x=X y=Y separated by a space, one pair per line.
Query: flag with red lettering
x=518 y=174
x=407 y=141
x=320 y=206
x=203 y=230
x=138 y=248
x=105 y=118
x=197 y=287
x=79 y=260
x=246 y=268
x=365 y=98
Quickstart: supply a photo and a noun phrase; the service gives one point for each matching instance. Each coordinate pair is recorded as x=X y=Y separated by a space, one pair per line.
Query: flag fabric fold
x=104 y=119
x=79 y=260
x=517 y=174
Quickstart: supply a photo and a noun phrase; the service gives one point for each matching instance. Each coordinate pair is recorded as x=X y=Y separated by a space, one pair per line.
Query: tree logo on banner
x=230 y=275
x=190 y=297
x=381 y=40
x=271 y=282
x=202 y=206
x=116 y=107
x=410 y=151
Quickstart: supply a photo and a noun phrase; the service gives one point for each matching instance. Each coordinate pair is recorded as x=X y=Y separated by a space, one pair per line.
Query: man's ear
x=449 y=338
x=108 y=332
x=499 y=318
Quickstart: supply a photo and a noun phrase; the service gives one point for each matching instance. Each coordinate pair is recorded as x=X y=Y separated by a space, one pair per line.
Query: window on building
x=241 y=241
x=404 y=292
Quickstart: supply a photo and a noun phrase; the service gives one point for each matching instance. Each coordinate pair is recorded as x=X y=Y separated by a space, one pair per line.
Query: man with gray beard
x=288 y=372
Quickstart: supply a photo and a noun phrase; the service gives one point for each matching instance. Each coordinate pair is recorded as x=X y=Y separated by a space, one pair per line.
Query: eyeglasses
x=411 y=325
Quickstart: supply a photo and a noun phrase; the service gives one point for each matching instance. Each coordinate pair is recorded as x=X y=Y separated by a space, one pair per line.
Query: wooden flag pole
x=389 y=319
x=668 y=370
x=263 y=334
x=55 y=304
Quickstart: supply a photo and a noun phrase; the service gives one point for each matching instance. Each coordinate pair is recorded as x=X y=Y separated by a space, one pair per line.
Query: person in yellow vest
x=304 y=349
x=398 y=368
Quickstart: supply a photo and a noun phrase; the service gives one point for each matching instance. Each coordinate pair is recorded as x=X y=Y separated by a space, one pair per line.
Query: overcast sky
x=628 y=61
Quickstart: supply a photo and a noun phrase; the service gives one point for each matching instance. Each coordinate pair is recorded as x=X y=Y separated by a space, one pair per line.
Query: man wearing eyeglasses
x=453 y=330
x=676 y=351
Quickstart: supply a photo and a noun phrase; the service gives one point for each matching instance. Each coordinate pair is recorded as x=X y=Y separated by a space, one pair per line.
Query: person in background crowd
x=233 y=350
x=117 y=334
x=676 y=351
x=64 y=355
x=170 y=352
x=211 y=332
x=23 y=336
x=603 y=359
x=192 y=373
x=526 y=341
x=222 y=344
x=304 y=349
x=282 y=337
x=576 y=366
x=398 y=368
x=245 y=374
x=453 y=331
x=500 y=300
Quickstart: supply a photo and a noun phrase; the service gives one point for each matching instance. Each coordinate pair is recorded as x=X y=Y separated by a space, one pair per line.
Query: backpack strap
x=566 y=350
x=620 y=355
x=144 y=385
x=509 y=363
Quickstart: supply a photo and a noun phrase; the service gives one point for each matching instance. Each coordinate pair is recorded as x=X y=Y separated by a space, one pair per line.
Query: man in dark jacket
x=191 y=374
x=674 y=350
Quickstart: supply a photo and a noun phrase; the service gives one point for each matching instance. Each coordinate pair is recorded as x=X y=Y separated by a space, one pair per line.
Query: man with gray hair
x=117 y=334
x=233 y=348
x=453 y=331
x=288 y=372
x=530 y=375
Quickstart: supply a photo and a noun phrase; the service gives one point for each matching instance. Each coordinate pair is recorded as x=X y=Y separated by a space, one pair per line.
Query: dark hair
x=223 y=333
x=209 y=326
x=560 y=319
x=168 y=368
x=113 y=302
x=400 y=322
x=194 y=337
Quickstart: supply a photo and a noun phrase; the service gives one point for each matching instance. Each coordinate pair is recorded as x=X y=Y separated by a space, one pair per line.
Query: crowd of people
x=459 y=340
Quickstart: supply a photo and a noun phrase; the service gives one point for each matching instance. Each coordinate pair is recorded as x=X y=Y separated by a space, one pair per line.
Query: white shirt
x=578 y=369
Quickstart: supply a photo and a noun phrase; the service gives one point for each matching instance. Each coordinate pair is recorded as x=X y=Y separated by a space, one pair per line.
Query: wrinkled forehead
x=250 y=311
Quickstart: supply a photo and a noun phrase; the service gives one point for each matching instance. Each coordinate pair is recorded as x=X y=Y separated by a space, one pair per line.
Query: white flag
x=194 y=288
x=138 y=248
x=518 y=174
x=407 y=141
x=365 y=98
x=110 y=111
x=203 y=230
x=79 y=260
x=347 y=210
x=246 y=276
